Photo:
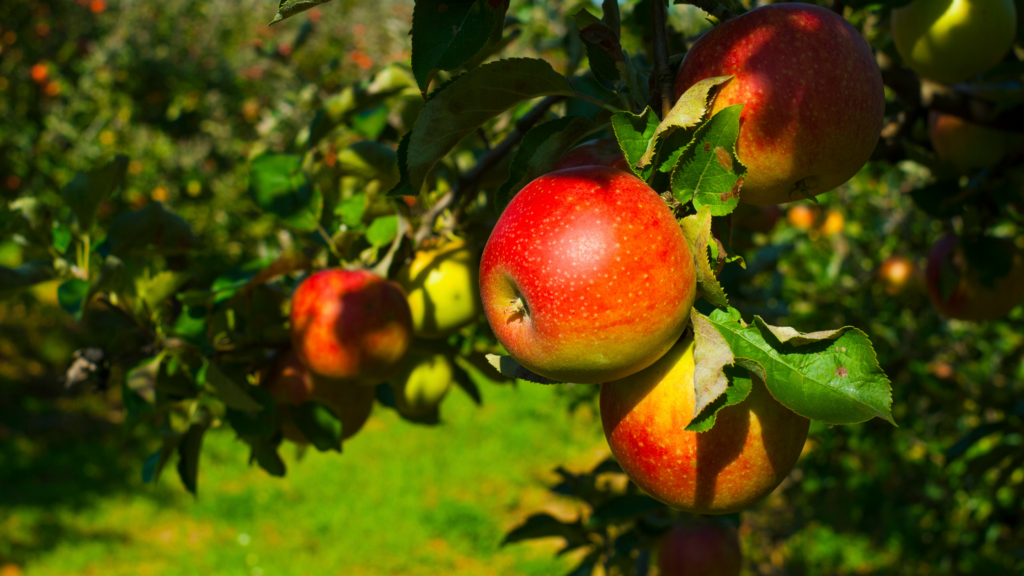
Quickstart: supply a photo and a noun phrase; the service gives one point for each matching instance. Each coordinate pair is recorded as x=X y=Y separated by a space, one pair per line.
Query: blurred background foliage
x=191 y=91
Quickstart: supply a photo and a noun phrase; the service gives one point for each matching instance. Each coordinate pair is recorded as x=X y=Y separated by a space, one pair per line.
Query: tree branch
x=662 y=71
x=469 y=181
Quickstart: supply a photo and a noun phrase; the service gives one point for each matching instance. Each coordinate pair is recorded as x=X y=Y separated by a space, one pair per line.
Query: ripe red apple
x=812 y=96
x=705 y=549
x=601 y=152
x=350 y=325
x=966 y=144
x=749 y=451
x=970 y=299
x=587 y=276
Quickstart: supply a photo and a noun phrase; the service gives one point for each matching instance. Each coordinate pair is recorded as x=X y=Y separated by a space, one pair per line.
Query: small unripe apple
x=747 y=454
x=587 y=276
x=422 y=384
x=970 y=299
x=896 y=274
x=811 y=92
x=442 y=284
x=704 y=549
x=600 y=152
x=966 y=144
x=350 y=325
x=952 y=40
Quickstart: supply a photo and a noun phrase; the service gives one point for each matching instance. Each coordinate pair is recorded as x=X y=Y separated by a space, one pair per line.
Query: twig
x=661 y=67
x=712 y=7
x=471 y=179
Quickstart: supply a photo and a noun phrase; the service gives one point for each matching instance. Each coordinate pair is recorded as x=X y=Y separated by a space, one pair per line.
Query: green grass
x=402 y=499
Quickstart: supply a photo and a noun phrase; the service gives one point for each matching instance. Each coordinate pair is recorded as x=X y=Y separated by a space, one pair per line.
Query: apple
x=442 y=285
x=965 y=144
x=749 y=451
x=600 y=152
x=952 y=40
x=970 y=298
x=422 y=383
x=896 y=274
x=587 y=276
x=292 y=384
x=350 y=325
x=811 y=93
x=801 y=217
x=704 y=549
x=834 y=223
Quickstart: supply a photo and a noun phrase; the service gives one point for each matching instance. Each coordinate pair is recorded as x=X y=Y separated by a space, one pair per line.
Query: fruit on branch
x=422 y=383
x=704 y=549
x=956 y=289
x=600 y=152
x=443 y=289
x=749 y=451
x=897 y=273
x=756 y=218
x=802 y=217
x=965 y=144
x=350 y=325
x=292 y=384
x=952 y=40
x=811 y=93
x=587 y=276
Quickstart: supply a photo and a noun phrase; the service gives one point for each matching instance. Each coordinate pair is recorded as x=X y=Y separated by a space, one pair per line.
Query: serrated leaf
x=318 y=424
x=87 y=190
x=382 y=231
x=371 y=161
x=188 y=457
x=634 y=132
x=289 y=8
x=740 y=383
x=697 y=230
x=539 y=151
x=512 y=369
x=686 y=112
x=603 y=49
x=278 y=185
x=447 y=34
x=233 y=394
x=15 y=280
x=711 y=354
x=469 y=101
x=622 y=508
x=709 y=172
x=831 y=376
x=546 y=526
x=72 y=295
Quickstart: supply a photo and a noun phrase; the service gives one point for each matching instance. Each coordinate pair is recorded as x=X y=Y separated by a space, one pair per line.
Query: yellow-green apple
x=952 y=40
x=965 y=144
x=703 y=549
x=749 y=451
x=443 y=289
x=587 y=276
x=350 y=325
x=422 y=383
x=600 y=152
x=292 y=384
x=811 y=93
x=970 y=299
x=897 y=273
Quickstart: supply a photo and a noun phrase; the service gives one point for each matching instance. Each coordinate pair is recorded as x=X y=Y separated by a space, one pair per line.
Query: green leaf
x=461 y=375
x=153 y=290
x=371 y=123
x=87 y=190
x=610 y=16
x=546 y=526
x=382 y=231
x=709 y=172
x=188 y=457
x=509 y=368
x=233 y=394
x=265 y=453
x=289 y=8
x=152 y=224
x=154 y=465
x=263 y=424
x=278 y=185
x=539 y=151
x=318 y=424
x=831 y=376
x=634 y=133
x=191 y=325
x=371 y=161
x=623 y=508
x=449 y=33
x=740 y=383
x=72 y=296
x=711 y=354
x=61 y=237
x=603 y=49
x=697 y=230
x=403 y=188
x=469 y=101
x=686 y=113
x=351 y=210
x=15 y=280
x=142 y=378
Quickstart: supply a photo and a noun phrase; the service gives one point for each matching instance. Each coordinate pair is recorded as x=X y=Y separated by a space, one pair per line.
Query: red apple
x=705 y=549
x=966 y=144
x=749 y=451
x=812 y=96
x=351 y=325
x=601 y=152
x=587 y=276
x=970 y=298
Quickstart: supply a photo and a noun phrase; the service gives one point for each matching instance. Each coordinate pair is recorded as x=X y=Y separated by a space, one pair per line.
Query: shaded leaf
x=446 y=34
x=318 y=424
x=623 y=508
x=740 y=382
x=546 y=526
x=634 y=132
x=512 y=369
x=142 y=378
x=233 y=394
x=154 y=465
x=152 y=224
x=697 y=230
x=463 y=379
x=404 y=187
x=264 y=453
x=686 y=112
x=87 y=190
x=709 y=172
x=278 y=185
x=941 y=199
x=370 y=160
x=188 y=457
x=71 y=295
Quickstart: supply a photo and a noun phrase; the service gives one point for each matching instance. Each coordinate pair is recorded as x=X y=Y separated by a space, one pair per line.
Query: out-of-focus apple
x=704 y=549
x=966 y=144
x=970 y=299
x=897 y=273
x=443 y=287
x=801 y=217
x=834 y=223
x=422 y=384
